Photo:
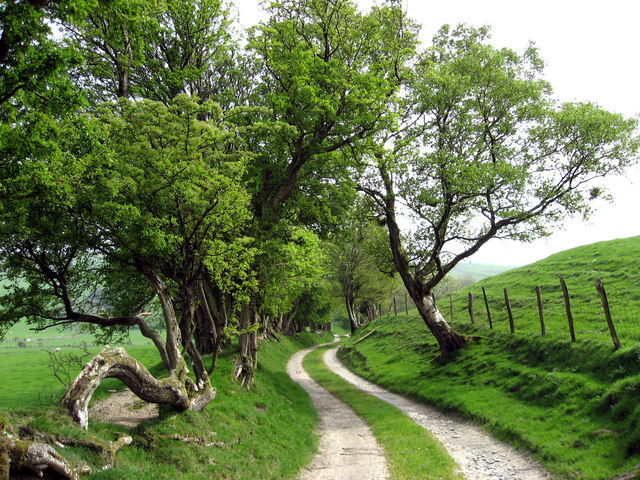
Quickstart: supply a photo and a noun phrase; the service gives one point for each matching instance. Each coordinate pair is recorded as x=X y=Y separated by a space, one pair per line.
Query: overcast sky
x=592 y=53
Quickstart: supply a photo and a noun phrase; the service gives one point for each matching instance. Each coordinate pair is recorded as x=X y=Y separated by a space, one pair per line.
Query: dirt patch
x=122 y=408
x=348 y=450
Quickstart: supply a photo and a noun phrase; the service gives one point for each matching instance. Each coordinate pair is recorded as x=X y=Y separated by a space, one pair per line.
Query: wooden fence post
x=395 y=308
x=486 y=304
x=406 y=305
x=567 y=304
x=451 y=307
x=539 y=295
x=508 y=303
x=471 y=314
x=607 y=313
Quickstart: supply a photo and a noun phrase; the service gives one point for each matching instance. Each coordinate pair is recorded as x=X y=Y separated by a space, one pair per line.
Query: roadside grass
x=573 y=405
x=251 y=433
x=411 y=452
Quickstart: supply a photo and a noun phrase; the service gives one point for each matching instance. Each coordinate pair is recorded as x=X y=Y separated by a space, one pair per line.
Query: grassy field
x=254 y=431
x=615 y=262
x=24 y=361
x=411 y=452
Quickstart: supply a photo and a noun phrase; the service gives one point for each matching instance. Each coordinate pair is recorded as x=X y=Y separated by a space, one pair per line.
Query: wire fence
x=586 y=309
x=588 y=313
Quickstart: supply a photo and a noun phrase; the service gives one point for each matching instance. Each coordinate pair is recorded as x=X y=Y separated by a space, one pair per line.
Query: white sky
x=592 y=52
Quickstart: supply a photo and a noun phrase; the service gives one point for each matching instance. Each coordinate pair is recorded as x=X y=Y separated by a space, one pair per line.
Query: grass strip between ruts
x=411 y=451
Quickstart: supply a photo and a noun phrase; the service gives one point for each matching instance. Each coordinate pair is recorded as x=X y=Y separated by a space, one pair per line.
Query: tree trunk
x=448 y=339
x=34 y=456
x=247 y=344
x=212 y=317
x=174 y=390
x=353 y=320
x=177 y=390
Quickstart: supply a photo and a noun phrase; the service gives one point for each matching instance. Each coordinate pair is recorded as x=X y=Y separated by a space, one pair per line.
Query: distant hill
x=478 y=271
x=614 y=261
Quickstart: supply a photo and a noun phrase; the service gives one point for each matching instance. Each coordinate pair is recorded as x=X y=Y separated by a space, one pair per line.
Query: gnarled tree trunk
x=448 y=339
x=177 y=390
x=248 y=344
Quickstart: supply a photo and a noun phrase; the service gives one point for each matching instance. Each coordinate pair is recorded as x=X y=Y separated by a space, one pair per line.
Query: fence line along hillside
x=614 y=265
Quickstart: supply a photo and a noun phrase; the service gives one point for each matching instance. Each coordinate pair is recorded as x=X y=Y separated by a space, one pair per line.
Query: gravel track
x=348 y=450
x=479 y=455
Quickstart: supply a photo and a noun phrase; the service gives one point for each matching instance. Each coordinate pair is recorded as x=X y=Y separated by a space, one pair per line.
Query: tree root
x=196 y=440
x=36 y=457
x=34 y=451
x=632 y=474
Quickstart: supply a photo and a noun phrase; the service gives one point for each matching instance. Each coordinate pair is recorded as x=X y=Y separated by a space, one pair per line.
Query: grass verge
x=574 y=406
x=252 y=433
x=410 y=450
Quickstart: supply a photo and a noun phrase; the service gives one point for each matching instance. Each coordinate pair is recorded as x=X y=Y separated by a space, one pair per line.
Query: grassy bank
x=410 y=450
x=251 y=433
x=575 y=406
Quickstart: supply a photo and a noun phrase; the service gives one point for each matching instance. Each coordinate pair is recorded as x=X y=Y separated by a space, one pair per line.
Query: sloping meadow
x=240 y=435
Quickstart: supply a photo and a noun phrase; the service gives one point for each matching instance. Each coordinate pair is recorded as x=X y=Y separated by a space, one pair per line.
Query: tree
x=360 y=262
x=293 y=281
x=485 y=152
x=327 y=73
x=35 y=94
x=190 y=51
x=112 y=40
x=159 y=199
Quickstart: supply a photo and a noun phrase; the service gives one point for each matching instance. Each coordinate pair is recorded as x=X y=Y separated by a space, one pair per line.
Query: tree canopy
x=484 y=151
x=150 y=161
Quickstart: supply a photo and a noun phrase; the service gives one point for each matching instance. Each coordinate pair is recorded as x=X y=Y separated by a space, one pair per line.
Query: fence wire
x=586 y=309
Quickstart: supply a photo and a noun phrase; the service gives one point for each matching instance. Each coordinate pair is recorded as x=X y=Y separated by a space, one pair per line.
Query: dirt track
x=347 y=450
x=479 y=456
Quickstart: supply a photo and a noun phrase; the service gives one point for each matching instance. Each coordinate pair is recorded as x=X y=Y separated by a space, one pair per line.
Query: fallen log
x=366 y=336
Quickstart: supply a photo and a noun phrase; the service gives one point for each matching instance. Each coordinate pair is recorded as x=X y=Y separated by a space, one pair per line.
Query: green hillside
x=615 y=262
x=574 y=405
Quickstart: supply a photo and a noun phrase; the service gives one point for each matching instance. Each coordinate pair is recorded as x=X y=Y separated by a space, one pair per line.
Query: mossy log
x=176 y=390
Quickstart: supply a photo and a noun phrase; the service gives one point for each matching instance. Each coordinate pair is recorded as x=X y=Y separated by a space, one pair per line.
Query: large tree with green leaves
x=485 y=152
x=157 y=199
x=327 y=75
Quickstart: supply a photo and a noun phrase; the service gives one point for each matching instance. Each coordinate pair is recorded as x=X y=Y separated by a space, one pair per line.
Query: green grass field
x=616 y=263
x=255 y=431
